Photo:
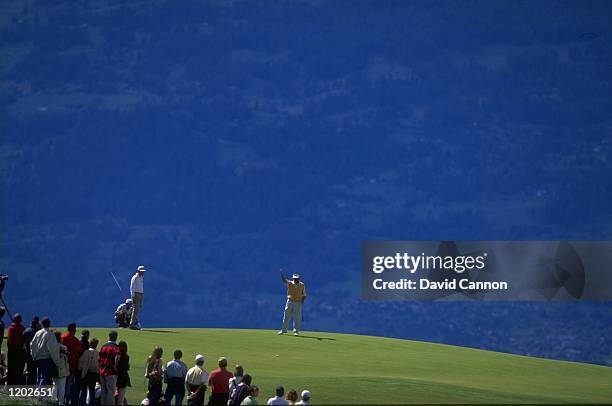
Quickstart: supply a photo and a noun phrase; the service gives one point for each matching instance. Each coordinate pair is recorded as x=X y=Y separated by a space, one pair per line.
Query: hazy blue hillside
x=216 y=141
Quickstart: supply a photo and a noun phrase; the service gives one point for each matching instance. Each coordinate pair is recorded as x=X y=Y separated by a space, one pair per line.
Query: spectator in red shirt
x=218 y=381
x=109 y=359
x=16 y=351
x=75 y=349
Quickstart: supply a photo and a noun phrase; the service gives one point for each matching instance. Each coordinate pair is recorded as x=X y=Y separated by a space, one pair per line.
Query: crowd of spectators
x=80 y=373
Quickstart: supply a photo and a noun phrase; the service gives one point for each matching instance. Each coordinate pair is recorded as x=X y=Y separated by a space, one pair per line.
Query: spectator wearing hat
x=219 y=384
x=278 y=400
x=251 y=399
x=73 y=382
x=241 y=392
x=305 y=399
x=296 y=294
x=123 y=314
x=108 y=359
x=28 y=335
x=45 y=352
x=176 y=371
x=195 y=382
x=137 y=291
x=16 y=352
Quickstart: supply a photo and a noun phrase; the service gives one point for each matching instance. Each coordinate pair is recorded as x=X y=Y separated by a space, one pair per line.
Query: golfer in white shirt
x=137 y=291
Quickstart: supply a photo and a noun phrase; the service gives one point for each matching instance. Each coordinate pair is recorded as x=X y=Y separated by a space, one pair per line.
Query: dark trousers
x=16 y=363
x=75 y=388
x=88 y=385
x=197 y=400
x=155 y=390
x=176 y=388
x=44 y=371
x=32 y=372
x=218 y=399
x=122 y=320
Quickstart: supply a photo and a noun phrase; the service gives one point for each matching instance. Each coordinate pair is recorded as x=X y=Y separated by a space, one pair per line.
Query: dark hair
x=58 y=336
x=72 y=327
x=292 y=395
x=157 y=352
x=84 y=333
x=280 y=391
x=253 y=389
x=17 y=318
x=93 y=343
x=35 y=321
x=2 y=310
x=246 y=379
x=178 y=354
x=45 y=322
x=122 y=346
x=112 y=335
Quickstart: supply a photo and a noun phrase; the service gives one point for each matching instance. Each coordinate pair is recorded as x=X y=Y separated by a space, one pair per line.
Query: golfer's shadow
x=316 y=338
x=159 y=331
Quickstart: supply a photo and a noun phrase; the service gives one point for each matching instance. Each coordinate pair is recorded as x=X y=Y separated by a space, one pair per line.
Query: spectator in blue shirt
x=176 y=370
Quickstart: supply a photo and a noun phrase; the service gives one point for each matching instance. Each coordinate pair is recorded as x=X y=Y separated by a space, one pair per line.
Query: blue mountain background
x=215 y=142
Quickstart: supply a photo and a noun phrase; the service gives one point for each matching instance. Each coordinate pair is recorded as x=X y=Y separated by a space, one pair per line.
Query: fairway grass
x=354 y=369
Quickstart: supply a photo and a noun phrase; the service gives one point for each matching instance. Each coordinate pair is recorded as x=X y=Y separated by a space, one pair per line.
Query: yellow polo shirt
x=296 y=291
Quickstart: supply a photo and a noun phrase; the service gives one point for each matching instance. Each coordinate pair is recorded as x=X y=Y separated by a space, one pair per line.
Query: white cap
x=141 y=268
x=305 y=394
x=199 y=357
x=128 y=301
x=296 y=276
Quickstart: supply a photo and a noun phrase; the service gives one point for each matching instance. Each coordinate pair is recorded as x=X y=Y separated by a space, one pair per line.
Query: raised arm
x=283 y=278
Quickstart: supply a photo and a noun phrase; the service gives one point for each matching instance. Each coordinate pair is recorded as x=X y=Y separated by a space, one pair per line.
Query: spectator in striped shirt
x=109 y=359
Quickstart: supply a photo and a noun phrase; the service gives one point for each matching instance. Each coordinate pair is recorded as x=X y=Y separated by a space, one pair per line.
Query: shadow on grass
x=159 y=331
x=317 y=338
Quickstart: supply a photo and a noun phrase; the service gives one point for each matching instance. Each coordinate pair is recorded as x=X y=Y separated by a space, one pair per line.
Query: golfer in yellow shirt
x=296 y=294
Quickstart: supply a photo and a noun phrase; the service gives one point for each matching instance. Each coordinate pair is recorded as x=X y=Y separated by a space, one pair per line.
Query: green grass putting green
x=354 y=369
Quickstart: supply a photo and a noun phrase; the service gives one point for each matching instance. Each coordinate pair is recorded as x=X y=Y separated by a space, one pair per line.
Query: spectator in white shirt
x=137 y=291
x=234 y=381
x=278 y=399
x=176 y=371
